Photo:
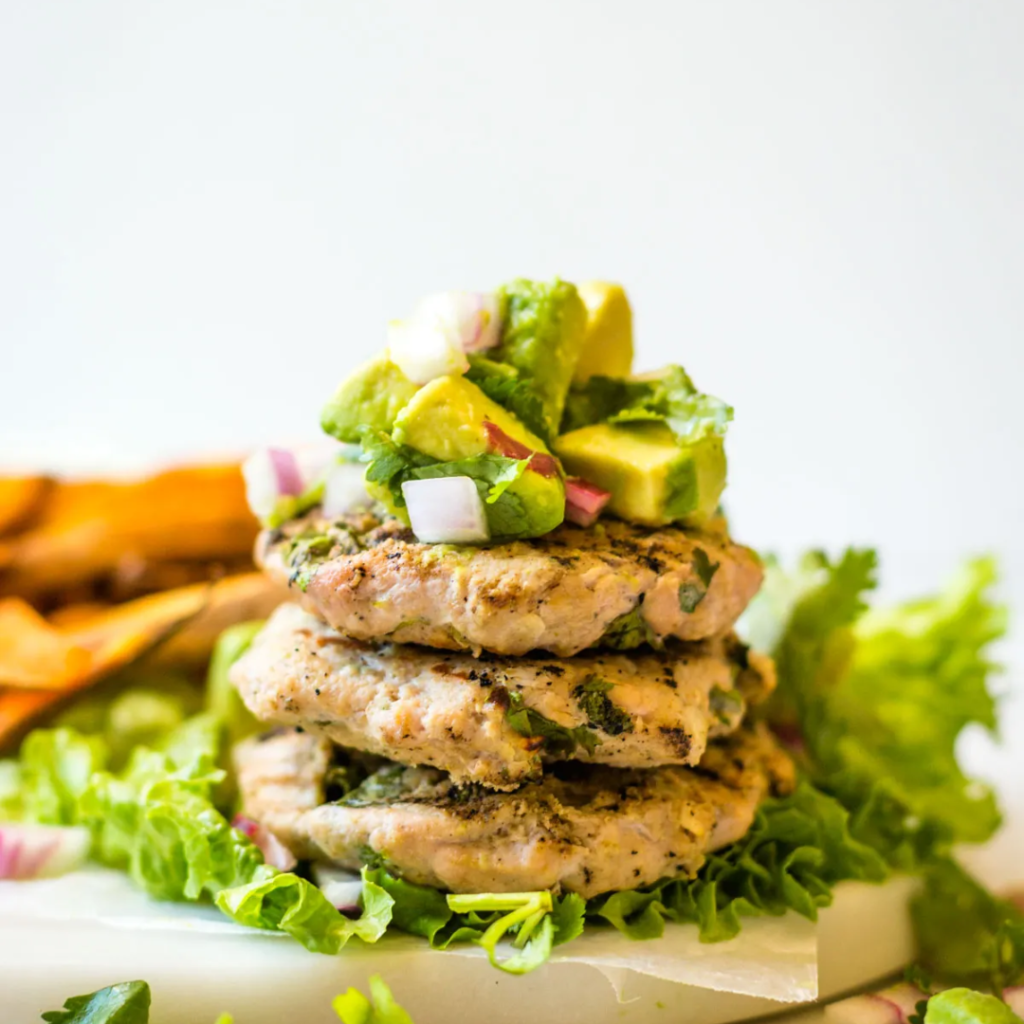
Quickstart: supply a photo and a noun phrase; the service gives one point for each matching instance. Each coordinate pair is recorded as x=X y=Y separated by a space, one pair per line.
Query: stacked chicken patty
x=527 y=715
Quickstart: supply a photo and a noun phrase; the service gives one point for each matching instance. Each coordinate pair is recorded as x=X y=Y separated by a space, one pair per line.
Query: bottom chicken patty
x=582 y=828
x=497 y=720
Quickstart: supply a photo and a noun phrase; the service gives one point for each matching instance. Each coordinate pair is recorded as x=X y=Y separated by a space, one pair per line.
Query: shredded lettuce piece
x=125 y=1003
x=354 y=1008
x=536 y=920
x=11 y=806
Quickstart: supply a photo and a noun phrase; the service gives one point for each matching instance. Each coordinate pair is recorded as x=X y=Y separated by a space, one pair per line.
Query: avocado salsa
x=545 y=417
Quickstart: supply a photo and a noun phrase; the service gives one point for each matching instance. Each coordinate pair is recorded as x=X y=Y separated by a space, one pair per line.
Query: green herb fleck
x=692 y=593
x=558 y=739
x=307 y=553
x=726 y=705
x=593 y=700
x=628 y=631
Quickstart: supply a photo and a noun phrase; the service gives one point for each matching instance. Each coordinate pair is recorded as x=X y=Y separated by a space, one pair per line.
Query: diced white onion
x=343 y=888
x=275 y=853
x=41 y=851
x=345 y=489
x=270 y=473
x=442 y=329
x=447 y=510
x=423 y=349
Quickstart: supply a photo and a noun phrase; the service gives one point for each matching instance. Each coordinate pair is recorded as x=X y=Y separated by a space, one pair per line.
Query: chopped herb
x=692 y=593
x=558 y=739
x=307 y=553
x=628 y=631
x=384 y=786
x=726 y=705
x=593 y=700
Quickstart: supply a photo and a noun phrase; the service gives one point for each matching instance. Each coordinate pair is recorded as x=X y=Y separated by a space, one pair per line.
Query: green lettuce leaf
x=159 y=820
x=11 y=805
x=879 y=699
x=962 y=1006
x=354 y=1008
x=668 y=397
x=965 y=934
x=798 y=849
x=126 y=1003
x=56 y=767
x=222 y=699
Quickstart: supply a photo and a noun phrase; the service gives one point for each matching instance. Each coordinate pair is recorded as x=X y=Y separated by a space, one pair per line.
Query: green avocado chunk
x=368 y=399
x=544 y=329
x=451 y=428
x=653 y=479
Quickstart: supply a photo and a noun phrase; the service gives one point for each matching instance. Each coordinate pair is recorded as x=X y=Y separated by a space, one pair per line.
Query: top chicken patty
x=615 y=585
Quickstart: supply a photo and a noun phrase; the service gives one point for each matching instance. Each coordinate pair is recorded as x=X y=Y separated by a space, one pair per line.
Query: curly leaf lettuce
x=159 y=821
x=879 y=698
x=798 y=849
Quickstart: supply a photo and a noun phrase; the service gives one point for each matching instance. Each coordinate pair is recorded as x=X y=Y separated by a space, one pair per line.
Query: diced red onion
x=500 y=442
x=269 y=474
x=343 y=888
x=446 y=510
x=584 y=501
x=345 y=489
x=890 y=1006
x=41 y=851
x=275 y=853
x=479 y=320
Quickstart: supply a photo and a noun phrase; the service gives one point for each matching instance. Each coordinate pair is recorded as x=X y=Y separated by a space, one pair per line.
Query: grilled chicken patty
x=613 y=585
x=584 y=829
x=494 y=721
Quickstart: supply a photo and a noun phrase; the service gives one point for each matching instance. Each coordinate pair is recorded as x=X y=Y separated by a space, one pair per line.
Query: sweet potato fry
x=35 y=654
x=87 y=530
x=230 y=600
x=20 y=498
x=19 y=708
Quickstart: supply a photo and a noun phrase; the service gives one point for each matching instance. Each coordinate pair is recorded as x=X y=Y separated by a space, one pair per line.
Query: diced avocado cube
x=370 y=398
x=452 y=421
x=608 y=340
x=653 y=479
x=543 y=330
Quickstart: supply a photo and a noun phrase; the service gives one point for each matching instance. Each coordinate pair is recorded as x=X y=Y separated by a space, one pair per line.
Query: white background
x=208 y=210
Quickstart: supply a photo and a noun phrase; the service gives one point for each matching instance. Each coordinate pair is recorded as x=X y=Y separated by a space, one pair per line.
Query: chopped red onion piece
x=446 y=510
x=584 y=501
x=343 y=888
x=502 y=444
x=41 y=851
x=269 y=474
x=275 y=853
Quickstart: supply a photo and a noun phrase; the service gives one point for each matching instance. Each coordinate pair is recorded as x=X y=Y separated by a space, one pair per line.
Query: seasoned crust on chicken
x=475 y=718
x=582 y=828
x=613 y=585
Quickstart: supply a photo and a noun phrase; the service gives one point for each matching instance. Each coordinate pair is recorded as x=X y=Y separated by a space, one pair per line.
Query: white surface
x=209 y=209
x=81 y=932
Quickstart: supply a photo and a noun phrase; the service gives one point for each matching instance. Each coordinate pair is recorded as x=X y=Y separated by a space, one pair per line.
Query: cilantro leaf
x=558 y=739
